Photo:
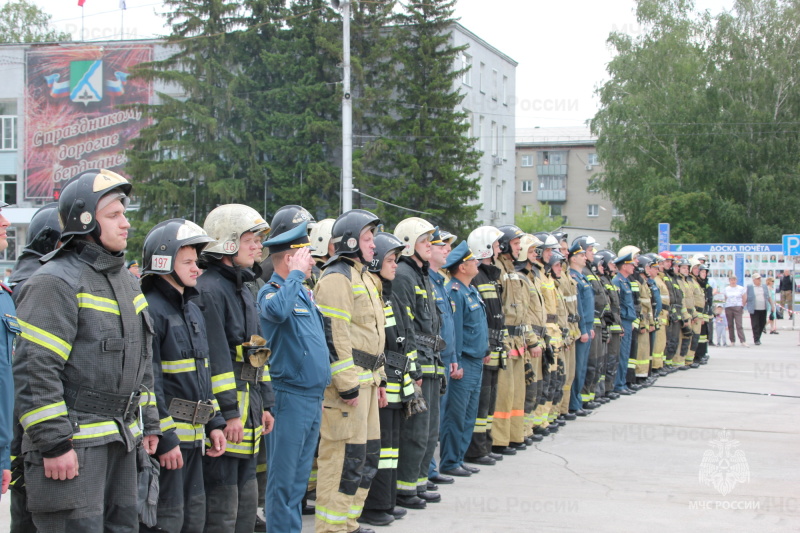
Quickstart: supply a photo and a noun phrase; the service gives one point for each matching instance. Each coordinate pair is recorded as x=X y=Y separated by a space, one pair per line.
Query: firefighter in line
x=81 y=374
x=565 y=369
x=242 y=389
x=597 y=353
x=441 y=244
x=604 y=263
x=483 y=242
x=44 y=236
x=625 y=263
x=187 y=407
x=350 y=440
x=413 y=290
x=577 y=261
x=538 y=366
x=508 y=431
x=300 y=371
x=379 y=507
x=471 y=345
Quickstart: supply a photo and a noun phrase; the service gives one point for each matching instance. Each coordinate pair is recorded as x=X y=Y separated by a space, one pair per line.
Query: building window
x=552 y=183
x=593 y=160
x=592 y=210
x=8 y=133
x=503 y=143
x=481 y=129
x=482 y=78
x=527 y=185
x=494 y=138
x=505 y=90
x=468 y=117
x=494 y=85
x=594 y=185
x=555 y=210
x=8 y=189
x=527 y=209
x=526 y=161
x=548 y=157
x=10 y=253
x=616 y=212
x=466 y=66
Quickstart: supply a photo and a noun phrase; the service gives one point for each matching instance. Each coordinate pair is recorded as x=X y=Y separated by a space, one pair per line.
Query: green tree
x=24 y=22
x=424 y=159
x=703 y=110
x=536 y=221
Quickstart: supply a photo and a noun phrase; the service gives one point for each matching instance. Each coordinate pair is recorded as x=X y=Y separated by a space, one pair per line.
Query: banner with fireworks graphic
x=75 y=115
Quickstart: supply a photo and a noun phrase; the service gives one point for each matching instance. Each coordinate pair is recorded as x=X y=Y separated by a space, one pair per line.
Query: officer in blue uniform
x=625 y=267
x=471 y=348
x=577 y=261
x=300 y=371
x=6 y=379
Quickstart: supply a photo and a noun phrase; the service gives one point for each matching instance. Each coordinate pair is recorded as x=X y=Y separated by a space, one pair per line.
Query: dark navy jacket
x=585 y=301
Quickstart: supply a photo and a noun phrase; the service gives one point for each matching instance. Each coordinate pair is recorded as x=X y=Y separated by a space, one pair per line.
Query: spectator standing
x=772 y=312
x=786 y=287
x=757 y=300
x=735 y=300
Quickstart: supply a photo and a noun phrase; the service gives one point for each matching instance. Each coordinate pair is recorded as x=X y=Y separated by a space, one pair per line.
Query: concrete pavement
x=648 y=462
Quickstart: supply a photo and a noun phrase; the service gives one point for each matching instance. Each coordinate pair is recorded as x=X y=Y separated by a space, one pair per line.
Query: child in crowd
x=720 y=327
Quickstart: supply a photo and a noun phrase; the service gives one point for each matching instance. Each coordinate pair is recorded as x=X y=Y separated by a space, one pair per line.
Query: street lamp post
x=347 y=110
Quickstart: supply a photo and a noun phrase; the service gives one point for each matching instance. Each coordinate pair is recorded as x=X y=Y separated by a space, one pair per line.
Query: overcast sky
x=560 y=45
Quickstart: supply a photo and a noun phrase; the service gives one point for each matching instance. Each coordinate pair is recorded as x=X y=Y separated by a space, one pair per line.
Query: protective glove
x=417 y=404
x=257 y=351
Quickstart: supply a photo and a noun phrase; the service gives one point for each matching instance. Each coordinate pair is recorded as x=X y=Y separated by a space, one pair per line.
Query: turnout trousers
x=693 y=343
x=290 y=451
x=642 y=362
x=581 y=361
x=349 y=448
x=612 y=361
x=703 y=342
x=510 y=408
x=569 y=377
x=102 y=498
x=181 y=496
x=231 y=493
x=624 y=355
x=383 y=492
x=593 y=364
x=418 y=437
x=673 y=331
x=458 y=417
x=554 y=389
x=481 y=444
x=536 y=396
x=660 y=342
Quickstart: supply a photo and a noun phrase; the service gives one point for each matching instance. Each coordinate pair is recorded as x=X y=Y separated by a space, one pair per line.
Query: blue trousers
x=458 y=417
x=581 y=363
x=290 y=453
x=624 y=355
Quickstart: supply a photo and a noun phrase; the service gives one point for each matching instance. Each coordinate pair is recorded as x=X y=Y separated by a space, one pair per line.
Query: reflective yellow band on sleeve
x=341 y=365
x=47 y=412
x=332 y=312
x=139 y=303
x=223 y=382
x=176 y=367
x=45 y=339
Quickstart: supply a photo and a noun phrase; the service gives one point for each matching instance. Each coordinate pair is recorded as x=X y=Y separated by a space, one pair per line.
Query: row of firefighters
x=140 y=404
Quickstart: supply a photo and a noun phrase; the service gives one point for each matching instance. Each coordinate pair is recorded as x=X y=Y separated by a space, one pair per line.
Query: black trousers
x=758 y=319
x=383 y=491
x=612 y=362
x=181 y=497
x=481 y=443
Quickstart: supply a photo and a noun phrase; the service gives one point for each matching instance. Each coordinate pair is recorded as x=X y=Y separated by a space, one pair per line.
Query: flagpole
x=83 y=35
x=122 y=24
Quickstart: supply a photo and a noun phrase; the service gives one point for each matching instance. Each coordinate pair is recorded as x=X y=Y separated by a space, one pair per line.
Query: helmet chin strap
x=177 y=279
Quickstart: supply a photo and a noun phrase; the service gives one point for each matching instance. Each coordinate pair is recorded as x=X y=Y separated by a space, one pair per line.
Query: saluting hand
x=301 y=260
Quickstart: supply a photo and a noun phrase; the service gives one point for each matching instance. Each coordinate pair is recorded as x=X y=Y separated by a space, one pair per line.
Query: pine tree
x=425 y=160
x=197 y=153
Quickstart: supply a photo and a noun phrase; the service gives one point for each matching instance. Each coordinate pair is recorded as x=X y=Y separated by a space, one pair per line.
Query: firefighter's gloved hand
x=530 y=377
x=417 y=404
x=257 y=351
x=148 y=472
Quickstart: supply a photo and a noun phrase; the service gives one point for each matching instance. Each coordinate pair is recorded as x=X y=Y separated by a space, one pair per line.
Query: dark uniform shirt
x=626 y=309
